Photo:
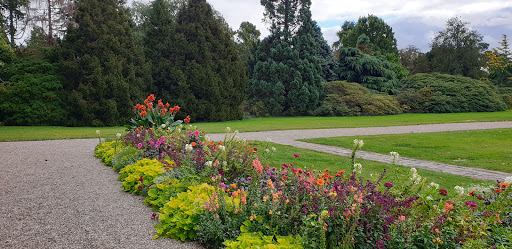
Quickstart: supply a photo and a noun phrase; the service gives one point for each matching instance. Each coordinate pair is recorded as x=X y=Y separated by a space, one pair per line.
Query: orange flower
x=320 y=182
x=151 y=97
x=194 y=144
x=233 y=185
x=150 y=105
x=497 y=191
x=187 y=119
x=503 y=185
x=472 y=193
x=285 y=177
x=143 y=113
x=163 y=111
x=143 y=107
x=211 y=143
x=137 y=107
x=326 y=170
x=177 y=108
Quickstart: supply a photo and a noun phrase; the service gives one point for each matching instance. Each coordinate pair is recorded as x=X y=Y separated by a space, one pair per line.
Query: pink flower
x=140 y=145
x=196 y=133
x=295 y=155
x=162 y=138
x=401 y=218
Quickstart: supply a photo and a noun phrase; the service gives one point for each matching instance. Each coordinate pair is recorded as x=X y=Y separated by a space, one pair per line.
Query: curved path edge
x=291 y=137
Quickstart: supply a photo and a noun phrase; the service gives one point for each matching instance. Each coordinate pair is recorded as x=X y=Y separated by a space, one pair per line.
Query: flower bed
x=225 y=194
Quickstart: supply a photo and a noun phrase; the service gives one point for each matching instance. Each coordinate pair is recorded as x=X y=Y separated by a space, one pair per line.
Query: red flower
x=443 y=192
x=137 y=107
x=143 y=113
x=187 y=119
x=151 y=97
x=295 y=155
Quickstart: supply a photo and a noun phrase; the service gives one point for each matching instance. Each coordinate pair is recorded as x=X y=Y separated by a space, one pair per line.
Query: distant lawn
x=308 y=158
x=21 y=133
x=24 y=133
x=486 y=149
x=296 y=123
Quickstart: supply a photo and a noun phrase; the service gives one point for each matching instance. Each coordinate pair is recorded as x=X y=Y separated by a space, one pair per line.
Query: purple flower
x=140 y=145
x=295 y=155
x=255 y=149
x=284 y=166
x=151 y=142
x=388 y=185
x=443 y=192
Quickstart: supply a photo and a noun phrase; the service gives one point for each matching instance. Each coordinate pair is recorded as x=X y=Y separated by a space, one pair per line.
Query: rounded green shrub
x=442 y=93
x=352 y=99
x=126 y=156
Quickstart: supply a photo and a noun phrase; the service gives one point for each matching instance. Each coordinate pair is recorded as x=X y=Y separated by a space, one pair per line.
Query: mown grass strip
x=486 y=149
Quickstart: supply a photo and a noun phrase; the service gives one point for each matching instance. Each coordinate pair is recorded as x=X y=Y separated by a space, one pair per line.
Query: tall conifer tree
x=105 y=71
x=208 y=73
x=287 y=77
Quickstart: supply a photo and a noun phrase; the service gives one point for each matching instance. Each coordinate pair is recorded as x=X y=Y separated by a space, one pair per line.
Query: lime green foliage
x=257 y=240
x=442 y=93
x=352 y=99
x=161 y=193
x=146 y=169
x=486 y=149
x=178 y=217
x=107 y=151
x=127 y=155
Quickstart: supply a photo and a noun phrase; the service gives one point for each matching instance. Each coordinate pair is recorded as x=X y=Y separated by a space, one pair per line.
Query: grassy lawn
x=486 y=149
x=296 y=123
x=318 y=160
x=24 y=133
x=21 y=133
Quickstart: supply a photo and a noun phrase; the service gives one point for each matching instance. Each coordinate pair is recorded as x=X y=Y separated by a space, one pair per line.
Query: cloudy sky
x=415 y=22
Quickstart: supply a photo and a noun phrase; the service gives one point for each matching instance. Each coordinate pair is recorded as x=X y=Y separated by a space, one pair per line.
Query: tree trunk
x=50 y=26
x=12 y=29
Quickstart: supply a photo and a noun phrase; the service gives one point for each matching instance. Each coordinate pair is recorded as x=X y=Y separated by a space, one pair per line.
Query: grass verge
x=310 y=159
x=486 y=149
x=25 y=133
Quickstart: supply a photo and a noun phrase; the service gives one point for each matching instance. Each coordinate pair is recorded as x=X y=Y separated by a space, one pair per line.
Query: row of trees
x=110 y=57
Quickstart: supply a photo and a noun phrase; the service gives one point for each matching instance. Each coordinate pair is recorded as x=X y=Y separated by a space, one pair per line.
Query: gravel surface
x=56 y=194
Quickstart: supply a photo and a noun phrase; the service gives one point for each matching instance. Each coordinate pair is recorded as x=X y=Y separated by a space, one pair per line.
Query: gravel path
x=290 y=138
x=56 y=194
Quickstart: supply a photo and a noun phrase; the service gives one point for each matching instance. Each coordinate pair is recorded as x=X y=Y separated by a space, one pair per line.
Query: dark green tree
x=371 y=70
x=159 y=38
x=287 y=76
x=209 y=77
x=328 y=62
x=458 y=50
x=345 y=29
x=248 y=39
x=105 y=71
x=12 y=16
x=381 y=35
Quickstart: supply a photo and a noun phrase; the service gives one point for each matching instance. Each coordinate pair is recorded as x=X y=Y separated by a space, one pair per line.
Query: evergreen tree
x=12 y=16
x=105 y=71
x=287 y=77
x=248 y=39
x=209 y=77
x=328 y=61
x=380 y=34
x=499 y=64
x=369 y=69
x=158 y=41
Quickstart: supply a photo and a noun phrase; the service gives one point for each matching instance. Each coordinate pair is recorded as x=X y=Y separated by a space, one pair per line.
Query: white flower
x=267 y=150
x=273 y=148
x=434 y=185
x=413 y=171
x=118 y=135
x=429 y=198
x=358 y=168
x=459 y=190
x=221 y=147
x=163 y=126
x=138 y=135
x=97 y=132
x=358 y=143
x=395 y=155
x=418 y=180
x=188 y=147
x=228 y=129
x=208 y=164
x=225 y=163
x=508 y=180
x=236 y=132
x=269 y=140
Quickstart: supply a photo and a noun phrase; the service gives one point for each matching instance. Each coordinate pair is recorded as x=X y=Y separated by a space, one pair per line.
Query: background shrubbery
x=352 y=99
x=442 y=93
